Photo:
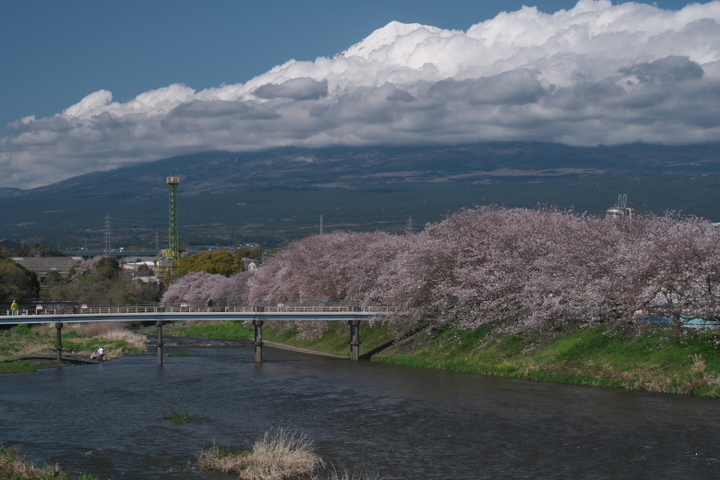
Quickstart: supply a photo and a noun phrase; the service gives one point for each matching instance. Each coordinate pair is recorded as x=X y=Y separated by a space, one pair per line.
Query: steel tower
x=167 y=259
x=173 y=241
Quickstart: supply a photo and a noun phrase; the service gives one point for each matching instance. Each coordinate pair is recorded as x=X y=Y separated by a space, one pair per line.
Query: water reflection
x=404 y=423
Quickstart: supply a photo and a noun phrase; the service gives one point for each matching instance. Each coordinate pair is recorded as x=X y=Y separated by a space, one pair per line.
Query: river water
x=402 y=423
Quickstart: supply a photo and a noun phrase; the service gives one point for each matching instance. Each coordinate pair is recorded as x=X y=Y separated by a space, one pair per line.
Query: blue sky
x=54 y=54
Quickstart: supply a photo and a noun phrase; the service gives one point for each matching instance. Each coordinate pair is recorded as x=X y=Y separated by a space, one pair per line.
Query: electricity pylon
x=168 y=258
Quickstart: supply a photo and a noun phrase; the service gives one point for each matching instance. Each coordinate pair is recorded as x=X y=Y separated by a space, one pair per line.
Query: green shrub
x=22 y=329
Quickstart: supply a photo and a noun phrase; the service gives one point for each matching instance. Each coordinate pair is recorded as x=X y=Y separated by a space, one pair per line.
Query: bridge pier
x=258 y=340
x=58 y=336
x=160 y=342
x=354 y=339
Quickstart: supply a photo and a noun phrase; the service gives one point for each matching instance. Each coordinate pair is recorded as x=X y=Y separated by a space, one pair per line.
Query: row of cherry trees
x=516 y=268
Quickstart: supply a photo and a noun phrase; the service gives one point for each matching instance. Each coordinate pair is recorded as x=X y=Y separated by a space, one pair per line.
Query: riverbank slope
x=647 y=357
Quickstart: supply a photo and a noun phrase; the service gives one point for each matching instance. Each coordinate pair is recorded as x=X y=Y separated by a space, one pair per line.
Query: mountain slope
x=277 y=195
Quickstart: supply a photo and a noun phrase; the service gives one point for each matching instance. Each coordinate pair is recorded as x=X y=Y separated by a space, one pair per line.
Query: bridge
x=258 y=314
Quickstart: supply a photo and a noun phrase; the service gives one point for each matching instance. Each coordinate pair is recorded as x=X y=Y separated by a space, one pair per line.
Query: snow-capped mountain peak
x=385 y=37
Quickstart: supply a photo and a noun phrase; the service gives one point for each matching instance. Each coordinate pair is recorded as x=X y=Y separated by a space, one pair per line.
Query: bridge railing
x=158 y=309
x=90 y=310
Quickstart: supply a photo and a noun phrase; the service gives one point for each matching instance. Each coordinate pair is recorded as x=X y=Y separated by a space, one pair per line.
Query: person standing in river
x=99 y=355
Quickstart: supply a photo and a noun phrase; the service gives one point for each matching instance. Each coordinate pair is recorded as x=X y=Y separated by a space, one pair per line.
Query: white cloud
x=295 y=88
x=595 y=74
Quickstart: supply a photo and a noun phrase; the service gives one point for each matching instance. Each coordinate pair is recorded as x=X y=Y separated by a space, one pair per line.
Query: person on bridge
x=14 y=308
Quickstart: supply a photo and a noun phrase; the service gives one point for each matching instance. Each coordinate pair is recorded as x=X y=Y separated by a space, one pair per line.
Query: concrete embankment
x=283 y=346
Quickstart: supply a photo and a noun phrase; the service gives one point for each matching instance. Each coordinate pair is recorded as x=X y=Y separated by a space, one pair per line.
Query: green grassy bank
x=335 y=341
x=649 y=358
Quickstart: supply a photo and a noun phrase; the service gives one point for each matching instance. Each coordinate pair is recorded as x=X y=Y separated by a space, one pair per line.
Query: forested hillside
x=275 y=196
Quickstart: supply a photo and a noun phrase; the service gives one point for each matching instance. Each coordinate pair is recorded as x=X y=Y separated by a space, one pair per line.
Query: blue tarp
x=690 y=322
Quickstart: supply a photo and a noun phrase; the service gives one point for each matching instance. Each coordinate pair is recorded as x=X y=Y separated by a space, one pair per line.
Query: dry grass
x=134 y=340
x=97 y=329
x=218 y=459
x=332 y=473
x=279 y=454
x=114 y=333
x=653 y=378
x=31 y=349
x=699 y=364
x=14 y=467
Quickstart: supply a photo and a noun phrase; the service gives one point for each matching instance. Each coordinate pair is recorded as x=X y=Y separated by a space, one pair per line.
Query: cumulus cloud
x=595 y=74
x=296 y=88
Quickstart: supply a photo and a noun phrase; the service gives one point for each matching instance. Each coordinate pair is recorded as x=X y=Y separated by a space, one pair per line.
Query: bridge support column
x=160 y=342
x=58 y=335
x=354 y=339
x=258 y=340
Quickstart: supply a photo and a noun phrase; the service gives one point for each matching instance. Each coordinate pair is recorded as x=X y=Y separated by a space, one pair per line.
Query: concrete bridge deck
x=160 y=315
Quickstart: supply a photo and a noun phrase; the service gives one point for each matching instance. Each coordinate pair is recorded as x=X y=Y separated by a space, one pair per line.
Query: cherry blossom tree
x=572 y=279
x=676 y=270
x=87 y=266
x=232 y=291
x=508 y=268
x=195 y=289
x=325 y=268
x=472 y=269
x=409 y=282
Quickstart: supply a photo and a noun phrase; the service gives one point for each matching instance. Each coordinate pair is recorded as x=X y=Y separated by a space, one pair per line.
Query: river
x=403 y=423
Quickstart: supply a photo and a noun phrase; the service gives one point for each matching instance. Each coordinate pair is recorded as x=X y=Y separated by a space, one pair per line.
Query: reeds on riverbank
x=97 y=329
x=14 y=467
x=332 y=473
x=279 y=454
